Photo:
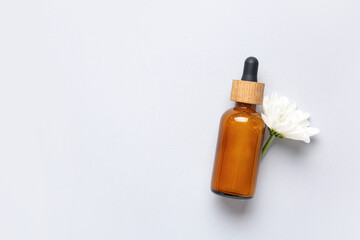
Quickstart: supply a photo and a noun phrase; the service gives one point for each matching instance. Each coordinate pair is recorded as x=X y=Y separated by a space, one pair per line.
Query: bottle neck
x=245 y=106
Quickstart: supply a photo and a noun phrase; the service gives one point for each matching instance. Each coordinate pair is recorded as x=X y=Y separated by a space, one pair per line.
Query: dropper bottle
x=240 y=138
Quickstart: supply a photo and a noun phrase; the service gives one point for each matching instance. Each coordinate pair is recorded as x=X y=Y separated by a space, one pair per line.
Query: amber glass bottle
x=240 y=138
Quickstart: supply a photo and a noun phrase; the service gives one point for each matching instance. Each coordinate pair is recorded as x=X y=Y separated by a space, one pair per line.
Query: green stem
x=267 y=144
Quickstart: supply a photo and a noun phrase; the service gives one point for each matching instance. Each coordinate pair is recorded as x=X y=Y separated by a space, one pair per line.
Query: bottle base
x=230 y=195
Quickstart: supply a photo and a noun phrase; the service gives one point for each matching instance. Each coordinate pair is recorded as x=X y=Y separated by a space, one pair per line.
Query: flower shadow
x=294 y=148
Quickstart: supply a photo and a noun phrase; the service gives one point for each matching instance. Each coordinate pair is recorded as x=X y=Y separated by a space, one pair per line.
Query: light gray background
x=110 y=112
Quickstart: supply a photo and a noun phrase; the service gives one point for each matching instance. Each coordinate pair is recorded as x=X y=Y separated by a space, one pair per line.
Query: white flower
x=283 y=120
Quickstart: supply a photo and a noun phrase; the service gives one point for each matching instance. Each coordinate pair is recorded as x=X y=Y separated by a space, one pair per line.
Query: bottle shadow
x=234 y=206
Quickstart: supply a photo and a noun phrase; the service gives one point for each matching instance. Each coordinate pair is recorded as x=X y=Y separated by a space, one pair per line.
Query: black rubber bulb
x=250 y=69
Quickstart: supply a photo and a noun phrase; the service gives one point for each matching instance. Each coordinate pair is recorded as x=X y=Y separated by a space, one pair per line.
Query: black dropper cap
x=250 y=69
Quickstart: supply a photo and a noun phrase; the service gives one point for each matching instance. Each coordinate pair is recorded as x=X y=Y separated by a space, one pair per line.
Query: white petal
x=311 y=131
x=287 y=112
x=298 y=135
x=307 y=139
x=285 y=128
x=266 y=120
x=280 y=114
x=300 y=116
x=265 y=105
